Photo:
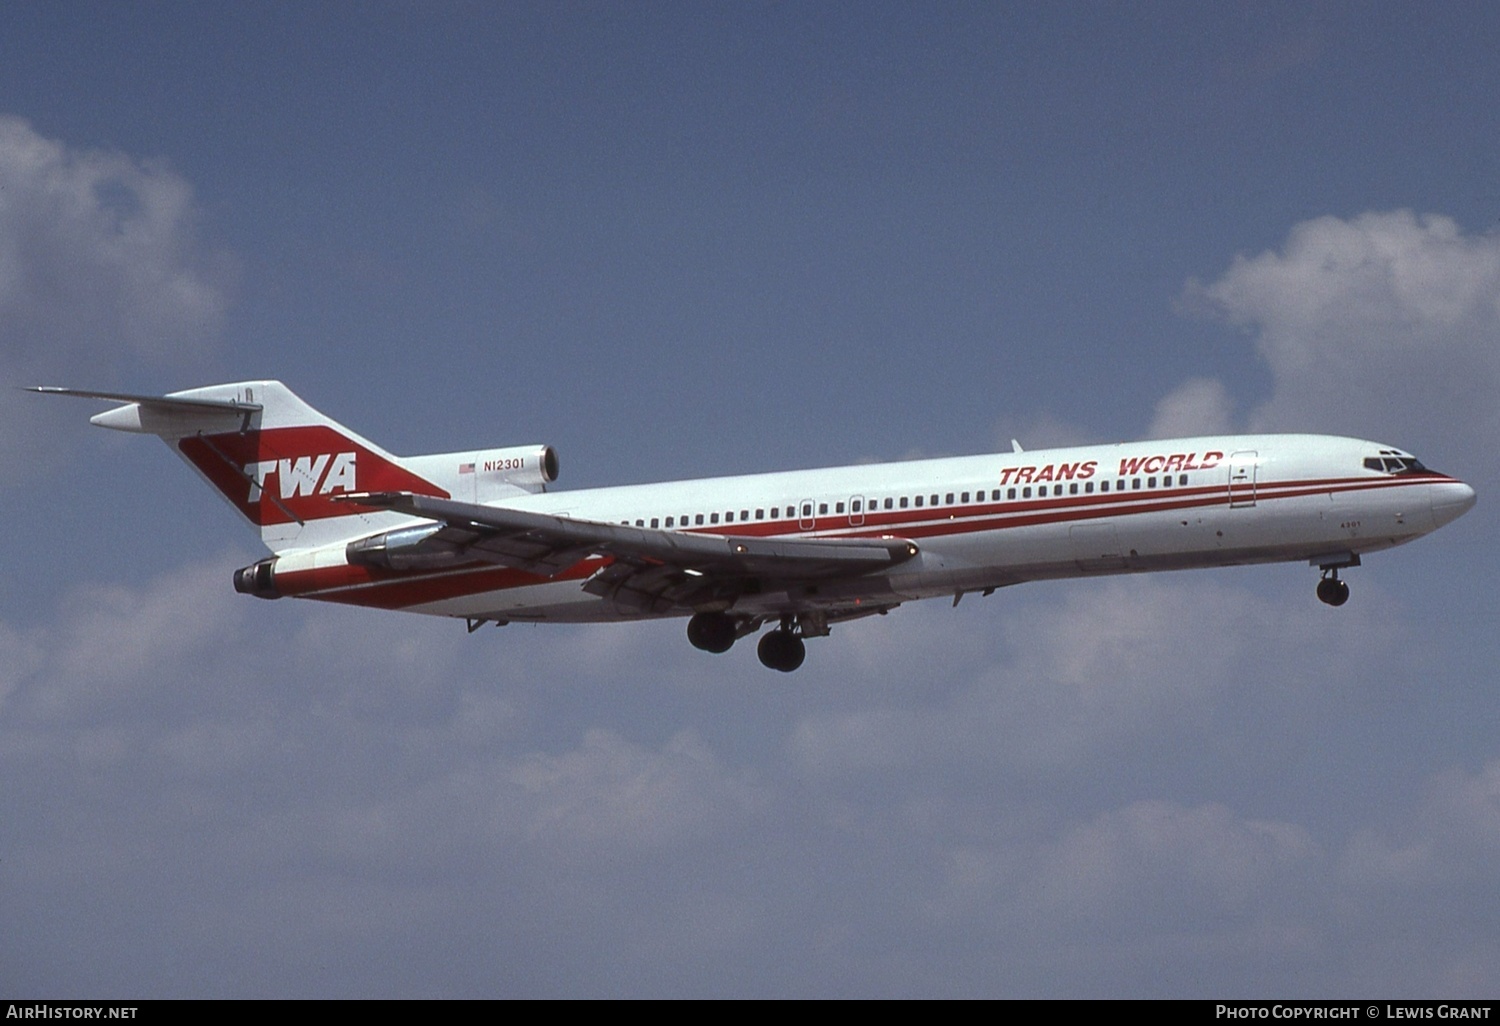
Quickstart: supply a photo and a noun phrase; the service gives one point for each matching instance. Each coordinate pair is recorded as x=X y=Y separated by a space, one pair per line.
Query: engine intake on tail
x=530 y=468
x=258 y=579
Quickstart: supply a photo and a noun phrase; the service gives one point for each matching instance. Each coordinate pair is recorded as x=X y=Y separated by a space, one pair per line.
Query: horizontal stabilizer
x=163 y=401
x=160 y=414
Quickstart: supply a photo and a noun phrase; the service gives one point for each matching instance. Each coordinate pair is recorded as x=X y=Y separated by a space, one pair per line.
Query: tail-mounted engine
x=485 y=475
x=258 y=579
x=530 y=468
x=406 y=548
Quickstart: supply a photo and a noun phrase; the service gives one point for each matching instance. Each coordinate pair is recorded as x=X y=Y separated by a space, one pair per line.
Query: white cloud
x=1063 y=683
x=175 y=736
x=413 y=789
x=609 y=792
x=101 y=268
x=1042 y=431
x=102 y=248
x=1200 y=406
x=1383 y=325
x=1456 y=827
x=1192 y=860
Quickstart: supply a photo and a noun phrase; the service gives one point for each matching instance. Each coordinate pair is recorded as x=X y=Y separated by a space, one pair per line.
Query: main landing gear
x=712 y=632
x=1332 y=590
x=781 y=649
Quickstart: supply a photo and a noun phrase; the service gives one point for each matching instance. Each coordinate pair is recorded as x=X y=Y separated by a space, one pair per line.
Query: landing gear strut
x=1332 y=590
x=712 y=632
x=781 y=649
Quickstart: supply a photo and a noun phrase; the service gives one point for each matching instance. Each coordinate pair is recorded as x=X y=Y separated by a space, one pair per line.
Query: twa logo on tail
x=288 y=474
x=301 y=476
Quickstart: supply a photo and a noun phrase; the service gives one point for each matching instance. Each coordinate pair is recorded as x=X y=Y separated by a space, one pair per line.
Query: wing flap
x=547 y=544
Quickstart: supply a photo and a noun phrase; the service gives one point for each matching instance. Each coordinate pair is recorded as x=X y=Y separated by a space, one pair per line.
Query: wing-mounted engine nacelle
x=406 y=548
x=258 y=579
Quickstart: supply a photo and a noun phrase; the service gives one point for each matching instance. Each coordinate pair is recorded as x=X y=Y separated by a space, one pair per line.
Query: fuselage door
x=856 y=511
x=805 y=517
x=1242 y=468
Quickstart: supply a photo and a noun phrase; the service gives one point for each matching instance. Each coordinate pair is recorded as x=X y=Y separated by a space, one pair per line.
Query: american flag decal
x=466 y=468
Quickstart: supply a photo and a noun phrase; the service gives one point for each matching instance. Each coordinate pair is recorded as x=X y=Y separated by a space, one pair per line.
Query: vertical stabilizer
x=274 y=458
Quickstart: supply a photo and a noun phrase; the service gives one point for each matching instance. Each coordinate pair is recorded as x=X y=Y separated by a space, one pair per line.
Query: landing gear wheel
x=1333 y=591
x=711 y=632
x=781 y=650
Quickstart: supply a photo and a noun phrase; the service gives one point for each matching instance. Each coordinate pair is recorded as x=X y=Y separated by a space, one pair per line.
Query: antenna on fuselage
x=1015 y=446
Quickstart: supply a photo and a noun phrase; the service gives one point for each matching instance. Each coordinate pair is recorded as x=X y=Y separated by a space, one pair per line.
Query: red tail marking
x=282 y=474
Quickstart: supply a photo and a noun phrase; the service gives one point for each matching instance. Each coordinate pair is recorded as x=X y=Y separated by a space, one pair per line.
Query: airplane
x=478 y=535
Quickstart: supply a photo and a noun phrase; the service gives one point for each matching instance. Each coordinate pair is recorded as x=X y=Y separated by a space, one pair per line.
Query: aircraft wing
x=651 y=569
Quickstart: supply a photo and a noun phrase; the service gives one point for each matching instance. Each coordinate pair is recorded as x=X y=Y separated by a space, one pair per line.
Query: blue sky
x=675 y=240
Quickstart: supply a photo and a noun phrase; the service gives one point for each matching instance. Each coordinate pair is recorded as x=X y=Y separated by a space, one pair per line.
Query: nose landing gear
x=1332 y=590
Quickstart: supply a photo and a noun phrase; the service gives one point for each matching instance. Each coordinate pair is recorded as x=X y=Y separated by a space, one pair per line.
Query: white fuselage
x=979 y=522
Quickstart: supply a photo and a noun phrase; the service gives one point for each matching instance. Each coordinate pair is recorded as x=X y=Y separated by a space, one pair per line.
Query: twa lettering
x=1171 y=464
x=323 y=474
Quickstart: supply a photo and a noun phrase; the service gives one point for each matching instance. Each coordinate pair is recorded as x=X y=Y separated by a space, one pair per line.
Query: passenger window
x=698 y=519
x=1011 y=494
x=903 y=502
x=1026 y=492
x=729 y=517
x=1104 y=486
x=949 y=499
x=760 y=514
x=1135 y=484
x=669 y=521
x=822 y=509
x=1073 y=489
x=1057 y=489
x=655 y=522
x=934 y=500
x=713 y=518
x=855 y=506
x=1150 y=482
x=888 y=503
x=919 y=502
x=1182 y=480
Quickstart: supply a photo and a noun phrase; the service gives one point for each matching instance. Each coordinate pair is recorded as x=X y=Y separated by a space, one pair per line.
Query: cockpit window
x=1395 y=464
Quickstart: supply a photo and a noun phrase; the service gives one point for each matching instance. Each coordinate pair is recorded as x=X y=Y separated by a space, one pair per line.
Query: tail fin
x=274 y=458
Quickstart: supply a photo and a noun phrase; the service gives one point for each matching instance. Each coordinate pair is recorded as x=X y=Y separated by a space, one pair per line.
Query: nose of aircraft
x=1451 y=500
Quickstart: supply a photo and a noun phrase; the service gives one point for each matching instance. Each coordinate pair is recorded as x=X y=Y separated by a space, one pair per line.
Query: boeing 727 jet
x=479 y=536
